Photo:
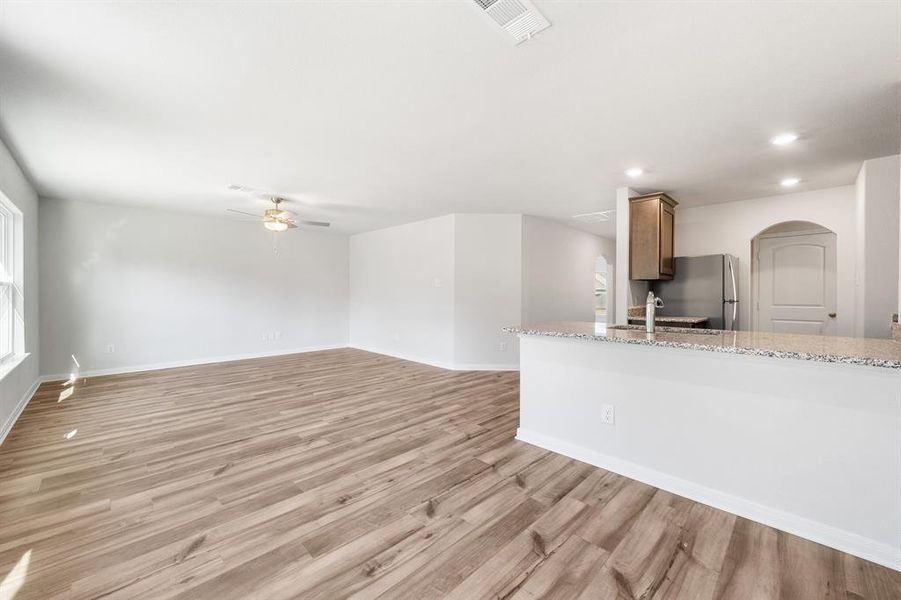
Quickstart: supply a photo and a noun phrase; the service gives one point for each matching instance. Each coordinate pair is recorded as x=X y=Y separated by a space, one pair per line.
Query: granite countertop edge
x=765 y=352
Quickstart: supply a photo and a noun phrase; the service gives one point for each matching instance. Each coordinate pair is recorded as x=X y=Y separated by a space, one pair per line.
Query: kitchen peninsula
x=799 y=432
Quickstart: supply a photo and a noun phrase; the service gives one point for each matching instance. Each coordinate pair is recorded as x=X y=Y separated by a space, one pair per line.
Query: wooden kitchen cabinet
x=651 y=223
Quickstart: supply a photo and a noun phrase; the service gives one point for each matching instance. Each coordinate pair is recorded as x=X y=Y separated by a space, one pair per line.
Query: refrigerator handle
x=734 y=294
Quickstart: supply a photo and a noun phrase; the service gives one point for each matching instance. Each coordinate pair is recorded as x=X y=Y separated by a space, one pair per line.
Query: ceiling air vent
x=519 y=18
x=595 y=217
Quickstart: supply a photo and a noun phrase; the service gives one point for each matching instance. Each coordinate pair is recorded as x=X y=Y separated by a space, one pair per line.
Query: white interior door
x=796 y=283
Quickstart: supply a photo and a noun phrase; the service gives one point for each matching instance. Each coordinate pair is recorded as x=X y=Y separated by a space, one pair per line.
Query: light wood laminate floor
x=348 y=474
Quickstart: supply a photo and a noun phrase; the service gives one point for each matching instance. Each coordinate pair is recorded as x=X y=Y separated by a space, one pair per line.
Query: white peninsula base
x=810 y=448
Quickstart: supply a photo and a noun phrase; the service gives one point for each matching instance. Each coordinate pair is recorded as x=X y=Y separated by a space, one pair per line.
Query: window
x=8 y=333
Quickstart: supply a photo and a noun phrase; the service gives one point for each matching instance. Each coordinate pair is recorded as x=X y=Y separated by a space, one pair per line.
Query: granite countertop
x=671 y=319
x=856 y=351
x=637 y=314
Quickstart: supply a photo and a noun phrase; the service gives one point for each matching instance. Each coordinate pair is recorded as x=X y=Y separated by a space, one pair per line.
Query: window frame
x=8 y=274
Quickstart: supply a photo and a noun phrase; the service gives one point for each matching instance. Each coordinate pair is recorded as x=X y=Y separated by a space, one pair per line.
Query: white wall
x=729 y=228
x=558 y=271
x=487 y=289
x=823 y=463
x=494 y=270
x=621 y=296
x=860 y=254
x=402 y=291
x=630 y=293
x=17 y=385
x=877 y=190
x=165 y=288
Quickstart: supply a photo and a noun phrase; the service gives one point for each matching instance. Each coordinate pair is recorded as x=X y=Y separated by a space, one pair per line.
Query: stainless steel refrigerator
x=703 y=286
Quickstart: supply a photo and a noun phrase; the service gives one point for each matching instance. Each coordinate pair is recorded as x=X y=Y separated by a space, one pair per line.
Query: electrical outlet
x=278 y=335
x=437 y=282
x=110 y=348
x=608 y=414
x=502 y=346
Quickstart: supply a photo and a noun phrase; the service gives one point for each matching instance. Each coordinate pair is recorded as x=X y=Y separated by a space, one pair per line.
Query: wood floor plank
x=468 y=555
x=751 y=569
x=695 y=569
x=503 y=572
x=564 y=575
x=347 y=474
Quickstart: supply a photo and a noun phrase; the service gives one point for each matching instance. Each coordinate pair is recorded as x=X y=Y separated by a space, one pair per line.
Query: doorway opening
x=601 y=295
x=793 y=282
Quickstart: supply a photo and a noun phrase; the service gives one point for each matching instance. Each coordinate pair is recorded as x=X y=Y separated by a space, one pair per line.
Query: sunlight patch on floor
x=14 y=580
x=65 y=394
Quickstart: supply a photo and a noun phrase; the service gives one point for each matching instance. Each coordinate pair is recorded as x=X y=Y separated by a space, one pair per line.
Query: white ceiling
x=376 y=113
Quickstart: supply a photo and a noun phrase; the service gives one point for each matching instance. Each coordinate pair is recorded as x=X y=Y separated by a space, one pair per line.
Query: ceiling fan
x=277 y=218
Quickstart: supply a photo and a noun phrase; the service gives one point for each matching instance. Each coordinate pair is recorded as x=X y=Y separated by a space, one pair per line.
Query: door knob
x=831 y=315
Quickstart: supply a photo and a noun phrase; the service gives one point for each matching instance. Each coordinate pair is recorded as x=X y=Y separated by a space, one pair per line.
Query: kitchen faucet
x=650 y=311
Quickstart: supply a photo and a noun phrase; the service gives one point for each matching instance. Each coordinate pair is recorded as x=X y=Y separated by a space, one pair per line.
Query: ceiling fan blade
x=315 y=223
x=241 y=212
x=291 y=224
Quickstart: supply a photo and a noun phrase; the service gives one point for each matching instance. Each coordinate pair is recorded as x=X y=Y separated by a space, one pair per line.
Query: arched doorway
x=793 y=279
x=601 y=290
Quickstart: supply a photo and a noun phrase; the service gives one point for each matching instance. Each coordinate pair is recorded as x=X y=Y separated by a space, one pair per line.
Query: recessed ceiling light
x=790 y=181
x=634 y=172
x=784 y=139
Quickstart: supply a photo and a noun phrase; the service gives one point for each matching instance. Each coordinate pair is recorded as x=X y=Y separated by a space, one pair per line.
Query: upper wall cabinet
x=651 y=221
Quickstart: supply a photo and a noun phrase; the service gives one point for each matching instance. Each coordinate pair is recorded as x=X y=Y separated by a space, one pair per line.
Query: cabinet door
x=644 y=219
x=667 y=247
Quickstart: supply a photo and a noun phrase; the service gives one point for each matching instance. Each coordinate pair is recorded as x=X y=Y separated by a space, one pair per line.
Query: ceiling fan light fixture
x=275 y=225
x=275 y=218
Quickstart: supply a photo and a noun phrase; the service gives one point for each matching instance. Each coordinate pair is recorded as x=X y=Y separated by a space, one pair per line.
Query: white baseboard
x=233 y=357
x=480 y=367
x=411 y=358
x=187 y=363
x=435 y=363
x=845 y=541
x=17 y=411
